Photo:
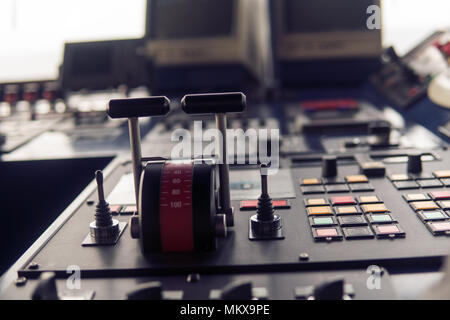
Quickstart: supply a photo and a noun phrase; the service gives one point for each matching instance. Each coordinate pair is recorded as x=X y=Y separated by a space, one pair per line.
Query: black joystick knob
x=415 y=162
x=104 y=227
x=239 y=290
x=329 y=166
x=265 y=224
x=381 y=132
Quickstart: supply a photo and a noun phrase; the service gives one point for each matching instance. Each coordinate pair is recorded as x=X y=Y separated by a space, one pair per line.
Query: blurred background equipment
x=354 y=95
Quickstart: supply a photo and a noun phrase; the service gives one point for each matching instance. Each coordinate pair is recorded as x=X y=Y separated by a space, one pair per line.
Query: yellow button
x=442 y=173
x=346 y=210
x=356 y=178
x=368 y=199
x=416 y=196
x=311 y=181
x=379 y=207
x=399 y=176
x=319 y=210
x=316 y=202
x=424 y=205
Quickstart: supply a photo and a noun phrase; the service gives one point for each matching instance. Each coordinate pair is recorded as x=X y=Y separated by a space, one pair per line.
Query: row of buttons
x=427 y=207
x=324 y=224
x=423 y=180
x=355 y=183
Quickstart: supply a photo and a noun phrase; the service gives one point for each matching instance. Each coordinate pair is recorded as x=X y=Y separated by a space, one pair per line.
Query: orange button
x=319 y=210
x=356 y=178
x=378 y=207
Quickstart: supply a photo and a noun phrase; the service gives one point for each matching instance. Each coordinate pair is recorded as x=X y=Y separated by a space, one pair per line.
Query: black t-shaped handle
x=133 y=108
x=138 y=107
x=214 y=103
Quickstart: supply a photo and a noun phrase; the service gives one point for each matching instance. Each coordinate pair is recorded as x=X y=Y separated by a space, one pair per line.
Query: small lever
x=218 y=104
x=134 y=108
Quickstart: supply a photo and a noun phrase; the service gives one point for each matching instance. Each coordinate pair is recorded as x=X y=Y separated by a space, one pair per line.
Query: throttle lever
x=133 y=109
x=218 y=104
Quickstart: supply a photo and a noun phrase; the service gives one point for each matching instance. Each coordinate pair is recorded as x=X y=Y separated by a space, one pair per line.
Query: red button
x=343 y=200
x=327 y=232
x=281 y=204
x=438 y=195
x=249 y=204
x=253 y=204
x=115 y=209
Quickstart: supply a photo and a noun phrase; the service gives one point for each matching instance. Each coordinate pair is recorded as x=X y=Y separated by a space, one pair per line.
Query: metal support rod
x=136 y=156
x=224 y=175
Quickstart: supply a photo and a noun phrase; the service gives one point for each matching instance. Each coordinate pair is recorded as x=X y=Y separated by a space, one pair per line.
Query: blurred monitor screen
x=325 y=15
x=185 y=19
x=33 y=32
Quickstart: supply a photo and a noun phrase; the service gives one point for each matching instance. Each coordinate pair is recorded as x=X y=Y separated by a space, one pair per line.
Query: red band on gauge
x=175 y=207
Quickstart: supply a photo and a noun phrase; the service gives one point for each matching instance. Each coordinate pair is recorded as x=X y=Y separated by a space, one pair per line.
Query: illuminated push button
x=322 y=221
x=424 y=205
x=444 y=204
x=370 y=208
x=442 y=173
x=399 y=177
x=415 y=197
x=335 y=188
x=357 y=233
x=115 y=209
x=310 y=181
x=369 y=199
x=432 y=216
x=358 y=178
x=439 y=228
x=327 y=234
x=343 y=200
x=315 y=202
x=345 y=210
x=350 y=221
x=313 y=189
x=323 y=210
x=403 y=185
x=253 y=204
x=129 y=210
x=380 y=218
x=281 y=204
x=446 y=182
x=355 y=187
x=249 y=204
x=388 y=231
x=440 y=195
x=434 y=183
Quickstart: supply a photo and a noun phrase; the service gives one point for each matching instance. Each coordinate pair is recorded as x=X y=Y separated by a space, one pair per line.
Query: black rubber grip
x=214 y=103
x=138 y=107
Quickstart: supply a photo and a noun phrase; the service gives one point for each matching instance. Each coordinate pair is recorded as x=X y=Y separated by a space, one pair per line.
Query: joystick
x=265 y=224
x=329 y=166
x=104 y=229
x=415 y=162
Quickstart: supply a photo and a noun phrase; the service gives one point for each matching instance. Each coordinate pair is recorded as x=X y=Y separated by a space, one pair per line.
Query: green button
x=325 y=220
x=433 y=215
x=381 y=218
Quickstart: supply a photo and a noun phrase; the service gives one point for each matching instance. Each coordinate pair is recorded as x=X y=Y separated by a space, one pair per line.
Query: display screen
x=325 y=15
x=187 y=19
x=91 y=61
